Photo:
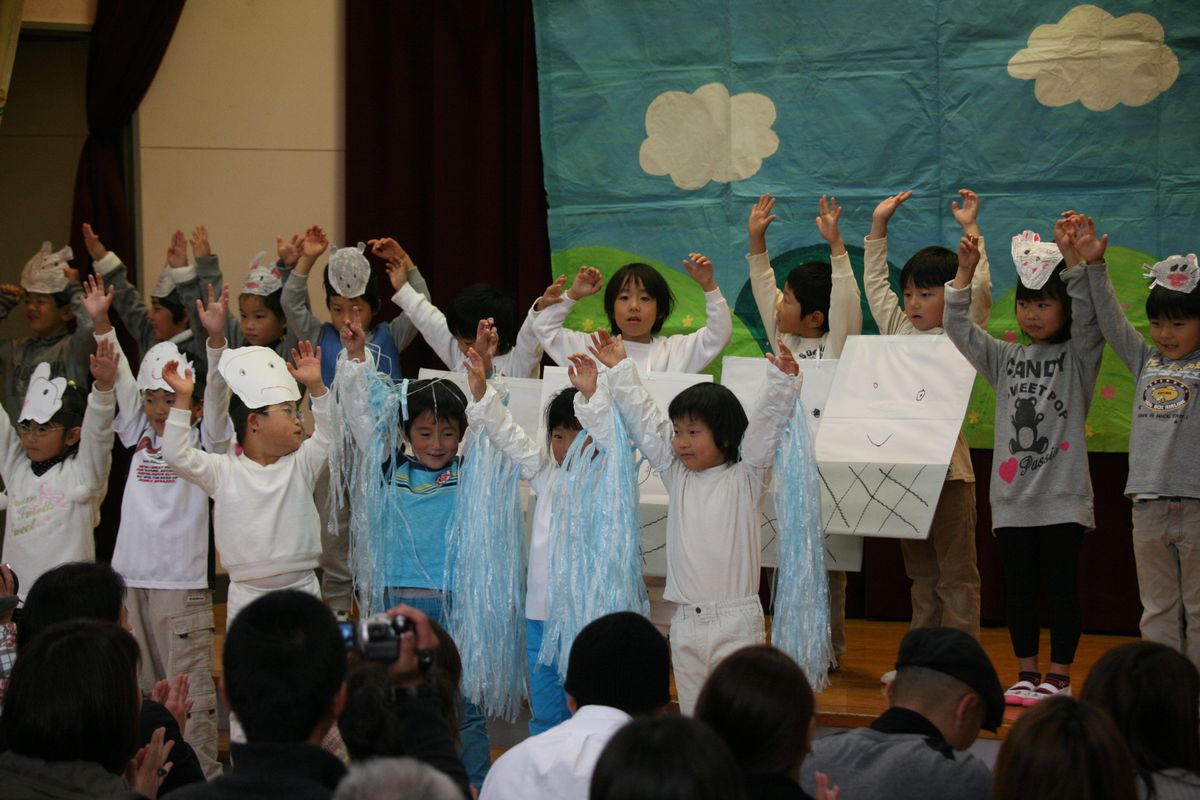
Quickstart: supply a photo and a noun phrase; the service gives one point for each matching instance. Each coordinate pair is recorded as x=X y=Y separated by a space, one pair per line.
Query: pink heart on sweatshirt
x=1065 y=446
x=1008 y=470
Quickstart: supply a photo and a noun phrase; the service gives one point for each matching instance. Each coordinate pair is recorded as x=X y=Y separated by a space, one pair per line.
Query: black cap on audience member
x=957 y=654
x=621 y=661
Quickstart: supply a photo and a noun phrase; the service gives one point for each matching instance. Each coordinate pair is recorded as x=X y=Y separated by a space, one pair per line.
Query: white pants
x=702 y=635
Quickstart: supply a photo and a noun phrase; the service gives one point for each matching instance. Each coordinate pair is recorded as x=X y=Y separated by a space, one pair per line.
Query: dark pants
x=1050 y=553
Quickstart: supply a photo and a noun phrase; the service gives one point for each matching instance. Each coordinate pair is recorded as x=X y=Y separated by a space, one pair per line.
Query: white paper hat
x=1034 y=259
x=349 y=271
x=43 y=398
x=43 y=274
x=264 y=277
x=259 y=376
x=1179 y=273
x=150 y=373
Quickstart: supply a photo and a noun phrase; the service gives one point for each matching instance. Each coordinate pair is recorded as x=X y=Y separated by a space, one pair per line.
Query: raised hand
x=181 y=385
x=701 y=270
x=1066 y=229
x=587 y=282
x=354 y=338
x=828 y=220
x=104 y=364
x=760 y=219
x=97 y=301
x=199 y=242
x=173 y=696
x=553 y=293
x=608 y=350
x=177 y=251
x=315 y=242
x=307 y=367
x=824 y=790
x=149 y=766
x=884 y=211
x=1090 y=248
x=785 y=361
x=288 y=250
x=476 y=374
x=583 y=374
x=213 y=317
x=95 y=248
x=968 y=260
x=967 y=214
x=390 y=251
x=12 y=290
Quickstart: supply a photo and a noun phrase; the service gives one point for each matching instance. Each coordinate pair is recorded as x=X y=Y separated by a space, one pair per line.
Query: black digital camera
x=377 y=638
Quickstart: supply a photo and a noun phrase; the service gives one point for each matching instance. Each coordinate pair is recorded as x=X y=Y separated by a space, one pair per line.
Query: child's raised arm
x=488 y=411
x=96 y=433
x=1126 y=340
x=403 y=272
x=772 y=409
x=547 y=322
x=208 y=277
x=294 y=297
x=845 y=304
x=693 y=352
x=213 y=317
x=190 y=463
x=650 y=429
x=967 y=216
x=762 y=276
x=989 y=356
x=1087 y=341
x=885 y=306
x=130 y=418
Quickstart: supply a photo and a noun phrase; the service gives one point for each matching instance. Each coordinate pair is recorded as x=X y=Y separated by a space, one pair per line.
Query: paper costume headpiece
x=264 y=277
x=43 y=274
x=150 y=373
x=258 y=376
x=349 y=271
x=1034 y=259
x=43 y=398
x=1178 y=273
x=165 y=285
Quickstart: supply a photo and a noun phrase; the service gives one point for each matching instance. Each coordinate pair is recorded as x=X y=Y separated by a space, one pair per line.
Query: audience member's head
x=1062 y=749
x=667 y=758
x=620 y=661
x=759 y=701
x=284 y=666
x=1152 y=693
x=944 y=675
x=73 y=696
x=79 y=590
x=395 y=779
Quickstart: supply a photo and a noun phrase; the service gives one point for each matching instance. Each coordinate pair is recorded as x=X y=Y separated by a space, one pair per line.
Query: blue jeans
x=547 y=700
x=473 y=746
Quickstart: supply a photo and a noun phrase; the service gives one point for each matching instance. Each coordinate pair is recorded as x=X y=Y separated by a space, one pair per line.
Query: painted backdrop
x=662 y=122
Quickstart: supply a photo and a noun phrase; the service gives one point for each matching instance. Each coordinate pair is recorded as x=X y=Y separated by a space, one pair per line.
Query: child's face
x=157 y=404
x=44 y=316
x=277 y=429
x=260 y=325
x=790 y=317
x=434 y=442
x=1041 y=320
x=43 y=441
x=694 y=444
x=1175 y=338
x=561 y=439
x=635 y=311
x=162 y=323
x=924 y=306
x=340 y=308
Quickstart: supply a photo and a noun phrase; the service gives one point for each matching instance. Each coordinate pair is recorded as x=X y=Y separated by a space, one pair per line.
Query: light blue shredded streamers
x=801 y=624
x=595 y=565
x=485 y=565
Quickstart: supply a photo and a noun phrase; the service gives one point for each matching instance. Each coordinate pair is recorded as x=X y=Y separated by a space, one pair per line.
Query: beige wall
x=242 y=131
x=53 y=13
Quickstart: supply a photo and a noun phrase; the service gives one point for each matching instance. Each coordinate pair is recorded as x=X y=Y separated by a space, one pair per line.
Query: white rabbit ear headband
x=150 y=373
x=1034 y=259
x=1177 y=273
x=349 y=271
x=264 y=277
x=43 y=398
x=258 y=376
x=43 y=274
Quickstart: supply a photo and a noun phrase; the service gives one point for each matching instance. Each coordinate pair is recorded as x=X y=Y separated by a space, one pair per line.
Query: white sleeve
x=10 y=446
x=558 y=342
x=845 y=305
x=190 y=463
x=766 y=292
x=885 y=306
x=494 y=418
x=96 y=437
x=130 y=420
x=216 y=424
x=650 y=429
x=527 y=352
x=314 y=451
x=431 y=322
x=693 y=352
x=772 y=409
x=596 y=415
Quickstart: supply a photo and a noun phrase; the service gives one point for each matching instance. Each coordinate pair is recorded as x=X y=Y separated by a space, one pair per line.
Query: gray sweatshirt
x=1164 y=436
x=1043 y=392
x=208 y=273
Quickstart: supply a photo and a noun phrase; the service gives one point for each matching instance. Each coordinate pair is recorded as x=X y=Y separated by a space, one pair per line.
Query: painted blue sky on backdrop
x=871 y=98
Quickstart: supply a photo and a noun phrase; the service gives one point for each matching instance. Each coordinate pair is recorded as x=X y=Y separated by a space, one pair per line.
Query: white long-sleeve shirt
x=689 y=352
x=50 y=516
x=713 y=547
x=845 y=308
x=538 y=467
x=264 y=518
x=520 y=362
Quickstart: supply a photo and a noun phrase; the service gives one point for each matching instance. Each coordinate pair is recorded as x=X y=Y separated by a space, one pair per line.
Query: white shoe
x=1044 y=690
x=888 y=676
x=1018 y=693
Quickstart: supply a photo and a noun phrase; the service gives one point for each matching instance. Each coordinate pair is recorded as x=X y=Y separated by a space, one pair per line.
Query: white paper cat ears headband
x=43 y=274
x=1034 y=259
x=1178 y=273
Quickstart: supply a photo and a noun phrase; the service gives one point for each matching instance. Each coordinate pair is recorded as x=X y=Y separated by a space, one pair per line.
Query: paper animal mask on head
x=1178 y=273
x=264 y=278
x=43 y=274
x=165 y=285
x=43 y=398
x=258 y=376
x=349 y=271
x=150 y=373
x=1035 y=260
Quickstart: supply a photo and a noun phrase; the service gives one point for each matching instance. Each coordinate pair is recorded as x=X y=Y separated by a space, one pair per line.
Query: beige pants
x=1166 y=546
x=943 y=568
x=174 y=628
x=703 y=635
x=337 y=581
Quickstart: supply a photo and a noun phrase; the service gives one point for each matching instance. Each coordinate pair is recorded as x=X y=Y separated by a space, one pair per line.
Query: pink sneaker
x=1018 y=693
x=1044 y=690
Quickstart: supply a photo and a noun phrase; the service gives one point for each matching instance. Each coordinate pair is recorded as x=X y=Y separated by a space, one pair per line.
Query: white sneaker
x=1018 y=693
x=1044 y=690
x=888 y=676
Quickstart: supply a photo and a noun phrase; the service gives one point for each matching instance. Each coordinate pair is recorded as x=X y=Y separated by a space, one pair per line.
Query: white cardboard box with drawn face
x=888 y=431
x=744 y=376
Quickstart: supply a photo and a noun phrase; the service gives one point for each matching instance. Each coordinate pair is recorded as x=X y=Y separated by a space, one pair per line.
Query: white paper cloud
x=708 y=135
x=1098 y=59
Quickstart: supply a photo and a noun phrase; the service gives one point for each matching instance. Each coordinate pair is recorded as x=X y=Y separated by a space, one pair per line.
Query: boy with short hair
x=52 y=296
x=942 y=568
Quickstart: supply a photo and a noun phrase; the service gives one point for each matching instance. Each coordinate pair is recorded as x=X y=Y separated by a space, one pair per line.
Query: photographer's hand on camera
x=416 y=646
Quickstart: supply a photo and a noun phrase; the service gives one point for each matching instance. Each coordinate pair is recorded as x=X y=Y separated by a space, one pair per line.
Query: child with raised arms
x=1041 y=490
x=942 y=568
x=638 y=301
x=716 y=466
x=1164 y=437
